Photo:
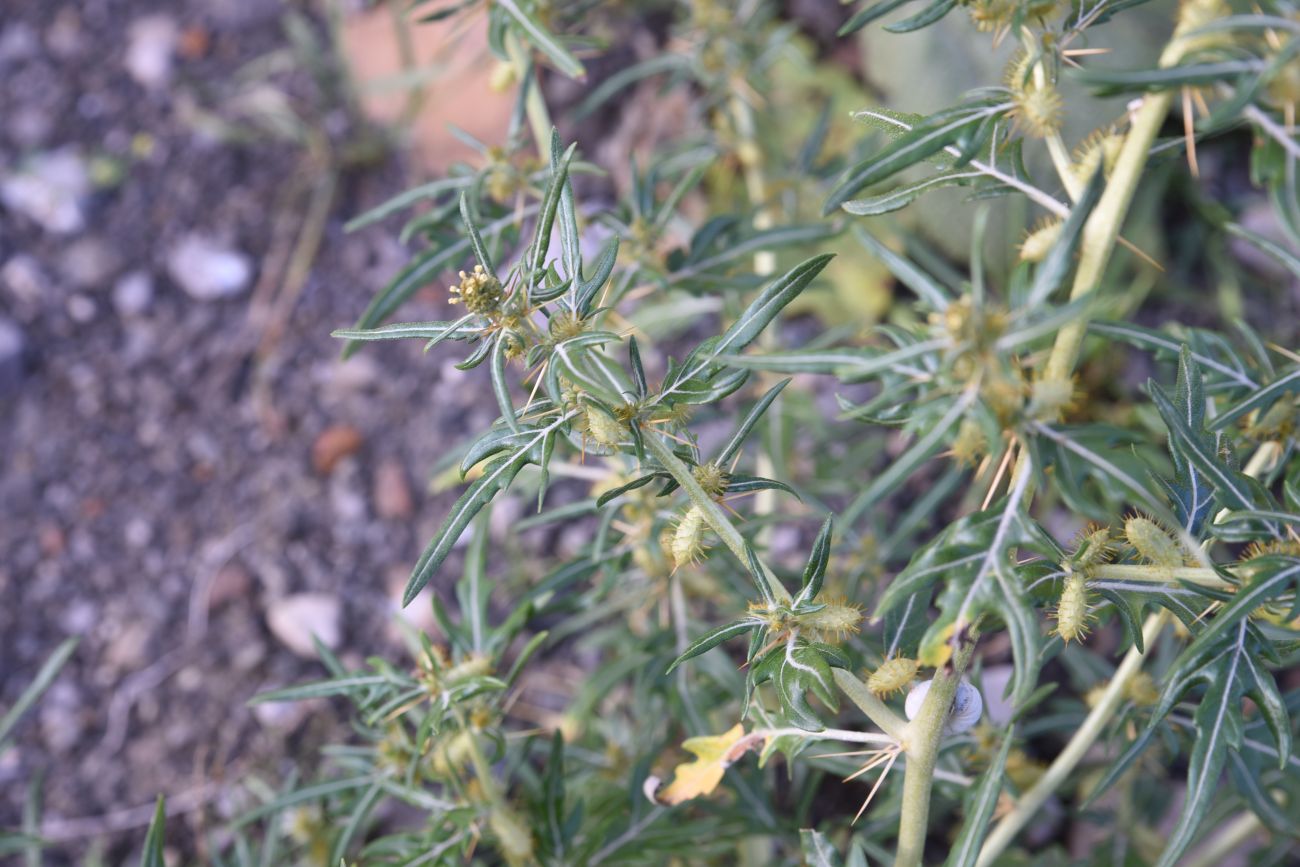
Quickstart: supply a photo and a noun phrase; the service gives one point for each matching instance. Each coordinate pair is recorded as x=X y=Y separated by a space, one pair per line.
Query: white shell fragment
x=967 y=706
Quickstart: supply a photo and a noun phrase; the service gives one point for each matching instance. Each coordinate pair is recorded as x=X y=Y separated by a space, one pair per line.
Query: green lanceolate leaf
x=927 y=16
x=713 y=639
x=1218 y=725
x=153 y=838
x=927 y=288
x=49 y=670
x=1231 y=486
x=869 y=13
x=501 y=388
x=347 y=685
x=926 y=139
x=759 y=576
x=495 y=478
x=1109 y=82
x=1262 y=399
x=546 y=218
x=815 y=571
x=568 y=216
x=434 y=332
x=901 y=197
x=475 y=239
x=737 y=438
x=757 y=316
x=545 y=41
x=587 y=289
x=1163 y=344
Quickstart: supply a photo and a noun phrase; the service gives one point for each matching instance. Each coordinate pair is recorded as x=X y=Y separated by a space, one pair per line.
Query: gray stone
x=295 y=619
x=133 y=293
x=89 y=263
x=50 y=190
x=151 y=42
x=208 y=270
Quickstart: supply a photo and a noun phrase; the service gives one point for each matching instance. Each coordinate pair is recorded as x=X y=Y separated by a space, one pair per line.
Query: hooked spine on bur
x=1072 y=612
x=1153 y=542
x=834 y=621
x=688 y=538
x=892 y=676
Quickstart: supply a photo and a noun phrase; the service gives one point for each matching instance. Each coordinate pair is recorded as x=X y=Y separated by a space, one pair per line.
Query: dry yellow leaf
x=700 y=777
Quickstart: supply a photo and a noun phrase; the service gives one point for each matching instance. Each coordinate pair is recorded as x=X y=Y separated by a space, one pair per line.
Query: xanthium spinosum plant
x=968 y=419
x=989 y=488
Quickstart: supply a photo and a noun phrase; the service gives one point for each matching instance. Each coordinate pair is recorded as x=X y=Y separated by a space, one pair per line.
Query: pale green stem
x=922 y=740
x=713 y=514
x=876 y=710
x=844 y=735
x=1102 y=229
x=1065 y=762
x=1157 y=574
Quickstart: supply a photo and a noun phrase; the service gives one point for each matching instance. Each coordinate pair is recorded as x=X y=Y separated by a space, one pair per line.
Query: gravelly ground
x=160 y=493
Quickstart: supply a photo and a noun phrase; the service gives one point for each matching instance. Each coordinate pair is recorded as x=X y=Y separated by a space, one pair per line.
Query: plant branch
x=713 y=514
x=1102 y=229
x=922 y=740
x=1005 y=831
x=1157 y=574
x=876 y=710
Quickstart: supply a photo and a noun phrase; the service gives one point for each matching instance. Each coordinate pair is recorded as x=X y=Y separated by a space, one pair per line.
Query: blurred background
x=190 y=478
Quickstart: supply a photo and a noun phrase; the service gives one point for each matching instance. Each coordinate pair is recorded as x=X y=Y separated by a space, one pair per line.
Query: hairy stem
x=876 y=710
x=923 y=737
x=713 y=514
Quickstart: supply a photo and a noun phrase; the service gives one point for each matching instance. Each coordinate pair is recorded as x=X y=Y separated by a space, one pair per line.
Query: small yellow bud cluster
x=513 y=838
x=1051 y=399
x=1141 y=690
x=712 y=478
x=480 y=292
x=566 y=325
x=993 y=16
